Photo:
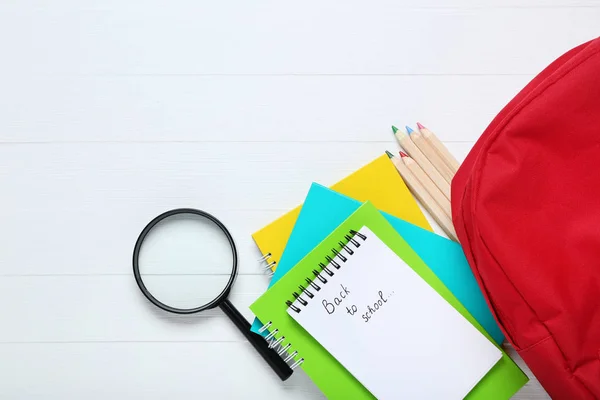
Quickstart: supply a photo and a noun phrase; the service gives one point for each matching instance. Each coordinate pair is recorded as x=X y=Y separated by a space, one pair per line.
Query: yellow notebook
x=377 y=182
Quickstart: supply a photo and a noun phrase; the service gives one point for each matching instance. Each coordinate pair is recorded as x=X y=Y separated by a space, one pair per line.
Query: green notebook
x=504 y=379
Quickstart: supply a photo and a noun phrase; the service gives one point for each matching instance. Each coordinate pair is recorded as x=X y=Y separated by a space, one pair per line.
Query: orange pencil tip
x=420 y=126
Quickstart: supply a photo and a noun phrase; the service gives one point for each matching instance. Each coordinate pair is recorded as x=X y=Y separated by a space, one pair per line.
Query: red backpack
x=526 y=208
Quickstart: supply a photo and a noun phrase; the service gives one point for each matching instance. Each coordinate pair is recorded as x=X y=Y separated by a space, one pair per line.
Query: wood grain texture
x=112 y=112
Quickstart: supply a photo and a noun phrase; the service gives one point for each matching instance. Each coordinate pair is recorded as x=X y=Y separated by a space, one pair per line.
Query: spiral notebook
x=335 y=381
x=377 y=181
x=388 y=327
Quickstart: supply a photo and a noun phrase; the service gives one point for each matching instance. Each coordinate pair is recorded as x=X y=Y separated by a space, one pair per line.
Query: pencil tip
x=394 y=129
x=390 y=155
x=420 y=125
x=403 y=154
x=409 y=129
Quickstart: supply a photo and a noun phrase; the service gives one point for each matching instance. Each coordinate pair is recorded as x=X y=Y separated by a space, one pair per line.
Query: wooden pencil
x=412 y=150
x=426 y=200
x=427 y=183
x=432 y=155
x=448 y=158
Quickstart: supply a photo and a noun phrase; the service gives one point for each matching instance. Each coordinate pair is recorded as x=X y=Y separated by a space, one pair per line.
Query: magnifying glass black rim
x=136 y=267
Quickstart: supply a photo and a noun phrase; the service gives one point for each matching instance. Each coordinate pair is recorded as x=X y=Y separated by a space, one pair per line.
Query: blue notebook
x=325 y=209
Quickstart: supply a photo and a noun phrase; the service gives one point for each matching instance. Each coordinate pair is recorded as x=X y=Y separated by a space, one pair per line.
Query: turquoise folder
x=325 y=209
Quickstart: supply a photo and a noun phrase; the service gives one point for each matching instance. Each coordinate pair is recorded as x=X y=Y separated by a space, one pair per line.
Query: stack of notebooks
x=370 y=303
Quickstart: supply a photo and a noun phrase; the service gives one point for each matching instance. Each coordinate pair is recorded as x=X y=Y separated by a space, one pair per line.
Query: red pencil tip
x=403 y=154
x=420 y=126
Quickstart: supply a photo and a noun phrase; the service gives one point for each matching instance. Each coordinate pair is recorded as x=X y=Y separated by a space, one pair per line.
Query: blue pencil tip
x=408 y=129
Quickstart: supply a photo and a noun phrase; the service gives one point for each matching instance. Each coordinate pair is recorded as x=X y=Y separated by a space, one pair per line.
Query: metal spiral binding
x=336 y=260
x=306 y=292
x=278 y=344
x=268 y=268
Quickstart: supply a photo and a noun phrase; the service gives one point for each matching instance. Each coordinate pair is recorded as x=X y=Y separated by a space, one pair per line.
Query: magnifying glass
x=185 y=262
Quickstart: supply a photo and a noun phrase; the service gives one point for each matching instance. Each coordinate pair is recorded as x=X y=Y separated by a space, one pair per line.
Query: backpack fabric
x=526 y=209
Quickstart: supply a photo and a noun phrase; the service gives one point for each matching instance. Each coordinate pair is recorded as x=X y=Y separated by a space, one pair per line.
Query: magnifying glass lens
x=186 y=261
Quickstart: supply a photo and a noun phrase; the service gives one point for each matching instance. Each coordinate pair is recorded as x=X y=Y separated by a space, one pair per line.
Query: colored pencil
x=412 y=150
x=448 y=158
x=432 y=155
x=424 y=197
x=427 y=183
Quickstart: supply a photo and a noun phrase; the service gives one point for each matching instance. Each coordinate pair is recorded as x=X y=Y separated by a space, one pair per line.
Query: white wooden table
x=114 y=111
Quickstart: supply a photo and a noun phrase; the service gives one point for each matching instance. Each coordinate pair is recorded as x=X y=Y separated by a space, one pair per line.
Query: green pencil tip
x=394 y=129
x=390 y=155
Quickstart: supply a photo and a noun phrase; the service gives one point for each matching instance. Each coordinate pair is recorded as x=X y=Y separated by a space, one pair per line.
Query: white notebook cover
x=392 y=331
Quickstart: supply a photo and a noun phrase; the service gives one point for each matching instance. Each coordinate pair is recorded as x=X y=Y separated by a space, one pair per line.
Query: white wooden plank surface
x=131 y=370
x=113 y=111
x=114 y=189
x=247 y=108
x=275 y=37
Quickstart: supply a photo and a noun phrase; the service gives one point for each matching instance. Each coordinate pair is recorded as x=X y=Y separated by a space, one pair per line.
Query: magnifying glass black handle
x=281 y=368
